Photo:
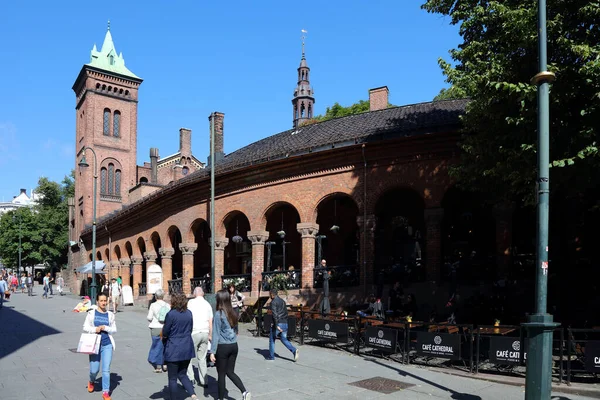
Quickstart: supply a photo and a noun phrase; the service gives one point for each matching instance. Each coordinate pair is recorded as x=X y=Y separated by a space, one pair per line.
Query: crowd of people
x=14 y=282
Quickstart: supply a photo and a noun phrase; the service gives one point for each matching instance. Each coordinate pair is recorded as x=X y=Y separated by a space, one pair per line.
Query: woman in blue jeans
x=102 y=322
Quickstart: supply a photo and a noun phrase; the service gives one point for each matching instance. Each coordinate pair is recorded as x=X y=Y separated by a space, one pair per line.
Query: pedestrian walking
x=237 y=299
x=115 y=293
x=60 y=282
x=3 y=290
x=224 y=347
x=102 y=322
x=23 y=283
x=46 y=283
x=51 y=279
x=29 y=283
x=279 y=326
x=201 y=334
x=179 y=347
x=156 y=315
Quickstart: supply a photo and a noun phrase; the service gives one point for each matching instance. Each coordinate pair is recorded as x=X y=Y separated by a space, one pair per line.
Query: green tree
x=493 y=67
x=337 y=110
x=43 y=228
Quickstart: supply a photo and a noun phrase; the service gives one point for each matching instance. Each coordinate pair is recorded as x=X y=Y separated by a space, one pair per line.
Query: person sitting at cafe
x=396 y=296
x=410 y=307
x=374 y=308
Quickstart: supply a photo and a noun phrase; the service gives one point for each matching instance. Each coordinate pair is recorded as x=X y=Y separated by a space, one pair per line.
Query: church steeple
x=108 y=59
x=303 y=101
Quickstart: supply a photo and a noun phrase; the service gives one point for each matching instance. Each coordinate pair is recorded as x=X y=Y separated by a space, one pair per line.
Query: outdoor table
x=496 y=331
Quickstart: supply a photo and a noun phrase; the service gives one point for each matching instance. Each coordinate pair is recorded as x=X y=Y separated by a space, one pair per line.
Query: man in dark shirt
x=279 y=326
x=396 y=297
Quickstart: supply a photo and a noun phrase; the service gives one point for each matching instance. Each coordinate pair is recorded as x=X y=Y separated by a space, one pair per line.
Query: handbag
x=89 y=343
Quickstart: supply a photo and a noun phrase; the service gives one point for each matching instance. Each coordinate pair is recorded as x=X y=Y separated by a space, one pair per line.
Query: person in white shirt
x=155 y=355
x=115 y=292
x=201 y=334
x=4 y=289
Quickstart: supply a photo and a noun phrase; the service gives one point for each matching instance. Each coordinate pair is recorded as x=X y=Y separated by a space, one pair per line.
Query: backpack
x=162 y=313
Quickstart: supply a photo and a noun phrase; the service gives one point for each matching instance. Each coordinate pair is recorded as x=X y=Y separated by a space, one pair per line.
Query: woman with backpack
x=156 y=315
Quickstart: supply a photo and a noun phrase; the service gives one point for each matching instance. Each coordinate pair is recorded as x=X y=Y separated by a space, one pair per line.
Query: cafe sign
x=322 y=329
x=441 y=345
x=381 y=338
x=592 y=356
x=506 y=350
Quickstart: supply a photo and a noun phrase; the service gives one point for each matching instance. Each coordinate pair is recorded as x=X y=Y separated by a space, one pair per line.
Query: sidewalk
x=36 y=362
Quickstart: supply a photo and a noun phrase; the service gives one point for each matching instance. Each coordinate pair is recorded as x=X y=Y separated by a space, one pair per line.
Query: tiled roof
x=408 y=120
x=411 y=120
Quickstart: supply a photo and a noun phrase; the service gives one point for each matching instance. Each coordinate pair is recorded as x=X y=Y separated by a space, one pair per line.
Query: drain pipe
x=364 y=255
x=109 y=253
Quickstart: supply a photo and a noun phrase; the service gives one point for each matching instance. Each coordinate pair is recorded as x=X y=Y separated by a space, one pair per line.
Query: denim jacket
x=222 y=333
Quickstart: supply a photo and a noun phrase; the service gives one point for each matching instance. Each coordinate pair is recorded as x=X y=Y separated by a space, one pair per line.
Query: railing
x=175 y=286
x=281 y=280
x=203 y=282
x=339 y=276
x=142 y=289
x=243 y=282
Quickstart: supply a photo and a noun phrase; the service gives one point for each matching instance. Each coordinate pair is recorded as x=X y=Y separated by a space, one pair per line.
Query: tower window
x=118 y=182
x=111 y=177
x=103 y=180
x=106 y=129
x=309 y=111
x=302 y=110
x=111 y=59
x=116 y=124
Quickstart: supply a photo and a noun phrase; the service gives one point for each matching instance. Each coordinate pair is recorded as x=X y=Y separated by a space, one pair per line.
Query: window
x=103 y=181
x=111 y=59
x=116 y=124
x=144 y=180
x=111 y=177
x=118 y=182
x=106 y=129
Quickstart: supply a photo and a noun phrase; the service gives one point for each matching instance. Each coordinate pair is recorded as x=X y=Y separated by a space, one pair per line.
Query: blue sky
x=196 y=56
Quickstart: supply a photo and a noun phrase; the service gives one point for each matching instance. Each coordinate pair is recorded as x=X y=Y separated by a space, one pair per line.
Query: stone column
x=125 y=271
x=166 y=254
x=503 y=215
x=366 y=245
x=308 y=230
x=220 y=243
x=113 y=271
x=187 y=253
x=433 y=242
x=258 y=239
x=137 y=274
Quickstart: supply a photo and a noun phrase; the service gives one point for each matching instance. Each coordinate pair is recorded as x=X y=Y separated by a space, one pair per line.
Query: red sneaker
x=105 y=396
x=90 y=387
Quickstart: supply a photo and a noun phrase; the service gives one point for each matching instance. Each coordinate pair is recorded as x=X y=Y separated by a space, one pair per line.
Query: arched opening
x=98 y=256
x=336 y=216
x=282 y=220
x=177 y=260
x=128 y=255
x=399 y=235
x=143 y=180
x=155 y=245
x=201 y=234
x=117 y=252
x=468 y=238
x=141 y=243
x=238 y=252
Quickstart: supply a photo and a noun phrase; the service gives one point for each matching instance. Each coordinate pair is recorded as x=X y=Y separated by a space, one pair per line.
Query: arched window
x=111 y=59
x=111 y=177
x=295 y=111
x=106 y=129
x=116 y=124
x=103 y=180
x=143 y=180
x=309 y=111
x=302 y=110
x=118 y=182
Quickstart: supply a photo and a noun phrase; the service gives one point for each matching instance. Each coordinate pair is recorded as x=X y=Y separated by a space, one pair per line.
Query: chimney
x=23 y=191
x=153 y=165
x=185 y=142
x=219 y=153
x=378 y=98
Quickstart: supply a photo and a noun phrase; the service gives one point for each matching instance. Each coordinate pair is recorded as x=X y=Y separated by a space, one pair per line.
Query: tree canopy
x=337 y=110
x=43 y=228
x=493 y=66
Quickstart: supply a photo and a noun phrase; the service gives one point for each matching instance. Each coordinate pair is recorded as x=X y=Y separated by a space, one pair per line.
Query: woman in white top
x=156 y=318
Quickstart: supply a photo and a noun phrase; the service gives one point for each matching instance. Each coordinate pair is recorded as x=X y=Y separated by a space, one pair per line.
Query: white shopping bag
x=89 y=343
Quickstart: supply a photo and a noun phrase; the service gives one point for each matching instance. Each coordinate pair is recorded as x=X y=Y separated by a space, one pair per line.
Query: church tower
x=303 y=101
x=106 y=121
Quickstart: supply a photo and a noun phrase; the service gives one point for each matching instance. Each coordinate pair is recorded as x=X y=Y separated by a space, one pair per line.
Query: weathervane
x=304 y=32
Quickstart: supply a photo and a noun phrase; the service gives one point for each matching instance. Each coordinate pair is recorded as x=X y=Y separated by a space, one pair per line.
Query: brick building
x=368 y=192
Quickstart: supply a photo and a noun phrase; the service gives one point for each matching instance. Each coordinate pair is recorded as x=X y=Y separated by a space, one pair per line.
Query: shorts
x=115 y=299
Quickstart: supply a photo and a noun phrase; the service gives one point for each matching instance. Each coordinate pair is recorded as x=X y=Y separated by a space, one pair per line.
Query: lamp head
x=83 y=163
x=334 y=229
x=281 y=234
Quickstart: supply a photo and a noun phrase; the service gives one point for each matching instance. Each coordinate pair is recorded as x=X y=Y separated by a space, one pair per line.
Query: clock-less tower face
x=106 y=121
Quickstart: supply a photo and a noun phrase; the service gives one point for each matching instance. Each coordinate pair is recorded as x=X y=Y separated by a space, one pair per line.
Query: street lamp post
x=20 y=236
x=83 y=164
x=538 y=384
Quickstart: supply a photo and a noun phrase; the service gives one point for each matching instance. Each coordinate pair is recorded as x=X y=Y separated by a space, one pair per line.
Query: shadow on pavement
x=17 y=330
x=455 y=395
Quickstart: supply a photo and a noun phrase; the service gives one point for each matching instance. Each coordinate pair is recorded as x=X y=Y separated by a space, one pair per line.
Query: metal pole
x=93 y=285
x=538 y=383
x=212 y=202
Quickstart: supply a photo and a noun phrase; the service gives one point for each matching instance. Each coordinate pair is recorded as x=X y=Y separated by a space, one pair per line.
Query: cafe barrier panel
x=583 y=352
